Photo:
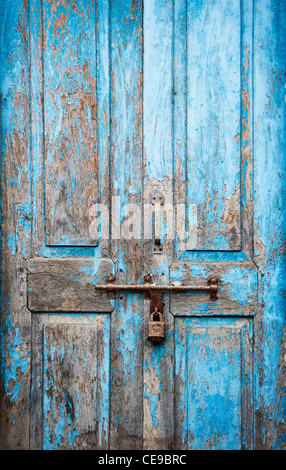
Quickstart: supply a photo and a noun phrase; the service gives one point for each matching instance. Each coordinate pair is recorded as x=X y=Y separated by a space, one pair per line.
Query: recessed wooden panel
x=207 y=120
x=70 y=381
x=73 y=415
x=213 y=384
x=70 y=118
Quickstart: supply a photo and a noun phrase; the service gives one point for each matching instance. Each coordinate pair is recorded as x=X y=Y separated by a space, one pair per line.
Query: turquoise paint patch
x=153 y=402
x=11 y=242
x=242 y=283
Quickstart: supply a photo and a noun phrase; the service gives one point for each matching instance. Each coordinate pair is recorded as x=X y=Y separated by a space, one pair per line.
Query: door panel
x=71 y=124
x=70 y=388
x=213 y=383
x=213 y=121
x=70 y=117
x=213 y=125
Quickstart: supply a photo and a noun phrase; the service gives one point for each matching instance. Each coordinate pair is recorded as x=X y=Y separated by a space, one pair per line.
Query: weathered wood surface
x=70 y=388
x=214 y=384
x=70 y=116
x=269 y=203
x=70 y=124
x=212 y=143
x=126 y=173
x=213 y=129
x=15 y=225
x=127 y=99
x=68 y=285
x=158 y=371
x=237 y=288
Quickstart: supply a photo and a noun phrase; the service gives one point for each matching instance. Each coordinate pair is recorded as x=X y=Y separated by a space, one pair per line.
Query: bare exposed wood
x=70 y=116
x=207 y=133
x=68 y=285
x=269 y=226
x=70 y=123
x=141 y=118
x=158 y=424
x=70 y=389
x=126 y=175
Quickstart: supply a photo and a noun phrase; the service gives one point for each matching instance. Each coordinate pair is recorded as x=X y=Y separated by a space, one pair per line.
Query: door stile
x=158 y=429
x=37 y=124
x=126 y=189
x=15 y=225
x=269 y=227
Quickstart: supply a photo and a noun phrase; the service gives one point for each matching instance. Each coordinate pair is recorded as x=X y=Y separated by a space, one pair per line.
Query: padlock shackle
x=160 y=315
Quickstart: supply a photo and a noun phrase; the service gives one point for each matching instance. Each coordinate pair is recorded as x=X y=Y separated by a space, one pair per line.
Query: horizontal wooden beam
x=68 y=285
x=237 y=288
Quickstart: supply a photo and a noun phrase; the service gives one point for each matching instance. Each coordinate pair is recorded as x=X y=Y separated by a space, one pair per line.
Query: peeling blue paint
x=207 y=110
x=15 y=363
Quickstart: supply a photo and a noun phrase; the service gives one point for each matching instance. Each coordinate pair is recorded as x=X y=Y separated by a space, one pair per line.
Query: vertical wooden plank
x=126 y=184
x=181 y=433
x=246 y=128
x=248 y=385
x=269 y=203
x=158 y=176
x=103 y=116
x=37 y=131
x=180 y=121
x=16 y=224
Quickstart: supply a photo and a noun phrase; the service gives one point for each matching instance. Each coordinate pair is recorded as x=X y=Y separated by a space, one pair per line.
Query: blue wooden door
x=142 y=138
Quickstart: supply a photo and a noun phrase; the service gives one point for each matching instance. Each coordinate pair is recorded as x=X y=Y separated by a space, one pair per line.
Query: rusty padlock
x=156 y=327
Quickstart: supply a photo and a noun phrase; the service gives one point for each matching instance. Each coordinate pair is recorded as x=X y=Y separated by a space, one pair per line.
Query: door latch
x=148 y=288
x=157 y=200
x=156 y=326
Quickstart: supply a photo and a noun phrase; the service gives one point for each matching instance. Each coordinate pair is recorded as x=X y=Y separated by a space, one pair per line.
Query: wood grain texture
x=269 y=203
x=15 y=225
x=213 y=148
x=126 y=173
x=212 y=142
x=237 y=288
x=70 y=116
x=158 y=425
x=70 y=389
x=126 y=99
x=68 y=285
x=213 y=384
x=75 y=120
